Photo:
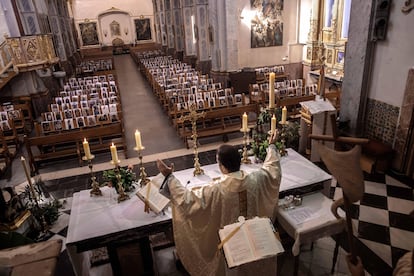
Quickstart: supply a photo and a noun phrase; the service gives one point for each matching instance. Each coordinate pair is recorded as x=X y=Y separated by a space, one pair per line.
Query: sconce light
x=105 y=32
x=126 y=31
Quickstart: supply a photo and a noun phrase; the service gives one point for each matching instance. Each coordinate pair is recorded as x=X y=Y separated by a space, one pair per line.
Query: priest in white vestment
x=197 y=218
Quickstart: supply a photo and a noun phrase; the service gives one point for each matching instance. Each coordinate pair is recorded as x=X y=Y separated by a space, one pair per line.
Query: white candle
x=29 y=179
x=86 y=149
x=284 y=115
x=273 y=124
x=138 y=140
x=244 y=125
x=271 y=90
x=114 y=154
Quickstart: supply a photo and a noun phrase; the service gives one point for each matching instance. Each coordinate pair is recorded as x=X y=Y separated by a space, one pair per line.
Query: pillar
x=358 y=62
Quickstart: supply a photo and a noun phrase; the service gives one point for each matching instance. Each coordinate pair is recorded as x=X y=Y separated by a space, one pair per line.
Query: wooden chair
x=11 y=138
x=5 y=158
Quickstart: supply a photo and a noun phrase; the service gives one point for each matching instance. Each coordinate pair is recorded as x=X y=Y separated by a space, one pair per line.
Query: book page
x=237 y=249
x=262 y=237
x=301 y=215
x=157 y=201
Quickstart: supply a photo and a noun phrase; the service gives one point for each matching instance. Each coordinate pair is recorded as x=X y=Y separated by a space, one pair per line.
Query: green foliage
x=49 y=210
x=127 y=178
x=260 y=143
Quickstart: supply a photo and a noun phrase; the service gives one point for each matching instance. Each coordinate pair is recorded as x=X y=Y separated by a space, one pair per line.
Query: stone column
x=203 y=44
x=358 y=62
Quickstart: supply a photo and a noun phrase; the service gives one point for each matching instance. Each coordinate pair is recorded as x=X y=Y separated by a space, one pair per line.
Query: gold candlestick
x=95 y=191
x=193 y=117
x=44 y=224
x=142 y=173
x=121 y=192
x=282 y=149
x=245 y=159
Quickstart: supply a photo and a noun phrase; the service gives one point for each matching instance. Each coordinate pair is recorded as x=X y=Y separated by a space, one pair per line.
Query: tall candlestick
x=284 y=115
x=114 y=154
x=86 y=149
x=138 y=140
x=244 y=125
x=29 y=179
x=273 y=124
x=271 y=90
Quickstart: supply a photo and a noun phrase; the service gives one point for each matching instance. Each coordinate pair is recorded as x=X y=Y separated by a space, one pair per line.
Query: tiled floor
x=383 y=229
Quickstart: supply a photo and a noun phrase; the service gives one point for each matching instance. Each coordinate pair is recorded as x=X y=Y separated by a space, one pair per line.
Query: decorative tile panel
x=381 y=121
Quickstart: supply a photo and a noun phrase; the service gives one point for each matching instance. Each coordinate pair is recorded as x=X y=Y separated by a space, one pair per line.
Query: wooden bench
x=220 y=121
x=69 y=144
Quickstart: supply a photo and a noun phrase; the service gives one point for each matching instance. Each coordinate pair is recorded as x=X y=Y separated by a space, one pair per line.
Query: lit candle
x=271 y=90
x=284 y=115
x=138 y=140
x=114 y=154
x=273 y=124
x=86 y=149
x=244 y=125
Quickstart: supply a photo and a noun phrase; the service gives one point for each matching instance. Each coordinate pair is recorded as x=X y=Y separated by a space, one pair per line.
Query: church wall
x=89 y=11
x=91 y=8
x=289 y=52
x=393 y=58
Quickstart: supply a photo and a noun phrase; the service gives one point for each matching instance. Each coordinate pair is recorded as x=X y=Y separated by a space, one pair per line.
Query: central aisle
x=142 y=111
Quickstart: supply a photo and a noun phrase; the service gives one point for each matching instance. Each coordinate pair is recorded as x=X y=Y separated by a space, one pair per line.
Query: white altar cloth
x=297 y=172
x=310 y=221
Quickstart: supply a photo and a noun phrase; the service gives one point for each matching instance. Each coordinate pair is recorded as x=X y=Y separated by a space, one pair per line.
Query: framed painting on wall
x=143 y=29
x=267 y=25
x=88 y=33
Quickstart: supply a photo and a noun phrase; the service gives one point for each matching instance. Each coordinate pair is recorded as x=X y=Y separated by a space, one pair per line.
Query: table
x=310 y=221
x=299 y=175
x=99 y=221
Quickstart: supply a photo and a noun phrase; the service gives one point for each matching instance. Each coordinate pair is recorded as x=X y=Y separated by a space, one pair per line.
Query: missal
x=249 y=240
x=151 y=196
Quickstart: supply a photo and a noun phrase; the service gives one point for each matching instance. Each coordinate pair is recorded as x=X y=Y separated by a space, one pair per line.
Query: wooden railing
x=31 y=52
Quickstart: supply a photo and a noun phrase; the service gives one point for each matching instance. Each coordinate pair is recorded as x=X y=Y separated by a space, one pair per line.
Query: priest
x=197 y=218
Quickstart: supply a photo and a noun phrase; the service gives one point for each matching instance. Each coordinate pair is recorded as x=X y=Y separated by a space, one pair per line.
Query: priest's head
x=228 y=158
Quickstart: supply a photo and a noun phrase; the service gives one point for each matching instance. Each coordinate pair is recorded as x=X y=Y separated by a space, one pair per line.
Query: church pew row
x=222 y=121
x=46 y=148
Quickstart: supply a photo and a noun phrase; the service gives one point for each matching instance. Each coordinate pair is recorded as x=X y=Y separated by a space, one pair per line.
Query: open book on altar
x=150 y=194
x=249 y=240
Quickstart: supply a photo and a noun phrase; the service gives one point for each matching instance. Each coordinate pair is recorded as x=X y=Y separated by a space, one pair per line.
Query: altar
x=100 y=221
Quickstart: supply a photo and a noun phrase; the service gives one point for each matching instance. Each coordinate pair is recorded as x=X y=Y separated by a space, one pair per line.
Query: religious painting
x=143 y=29
x=267 y=25
x=340 y=57
x=115 y=28
x=88 y=33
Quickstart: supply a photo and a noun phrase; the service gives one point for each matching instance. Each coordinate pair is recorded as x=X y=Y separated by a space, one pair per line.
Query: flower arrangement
x=260 y=143
x=128 y=177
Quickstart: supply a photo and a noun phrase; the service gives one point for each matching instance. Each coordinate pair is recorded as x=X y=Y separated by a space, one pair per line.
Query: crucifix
x=193 y=116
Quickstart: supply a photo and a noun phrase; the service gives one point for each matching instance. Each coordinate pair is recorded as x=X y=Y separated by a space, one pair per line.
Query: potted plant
x=128 y=177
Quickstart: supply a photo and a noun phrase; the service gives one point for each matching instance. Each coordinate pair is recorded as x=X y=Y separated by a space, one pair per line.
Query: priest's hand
x=164 y=169
x=273 y=137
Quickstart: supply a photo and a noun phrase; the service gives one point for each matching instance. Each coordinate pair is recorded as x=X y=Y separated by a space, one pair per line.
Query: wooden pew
x=69 y=144
x=217 y=122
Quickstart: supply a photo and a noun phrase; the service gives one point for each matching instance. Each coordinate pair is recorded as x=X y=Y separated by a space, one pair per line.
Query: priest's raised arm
x=198 y=217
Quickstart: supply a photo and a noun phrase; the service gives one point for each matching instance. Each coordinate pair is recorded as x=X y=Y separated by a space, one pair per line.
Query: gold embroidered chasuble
x=197 y=218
